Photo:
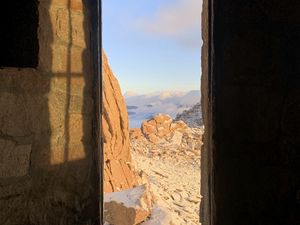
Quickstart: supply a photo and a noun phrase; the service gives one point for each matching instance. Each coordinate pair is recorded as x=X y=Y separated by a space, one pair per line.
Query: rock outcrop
x=118 y=173
x=160 y=136
x=160 y=127
x=192 y=117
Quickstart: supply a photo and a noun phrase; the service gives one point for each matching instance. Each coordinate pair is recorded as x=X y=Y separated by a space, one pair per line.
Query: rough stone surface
x=128 y=207
x=167 y=139
x=47 y=169
x=135 y=133
x=157 y=127
x=14 y=160
x=206 y=102
x=252 y=101
x=172 y=164
x=117 y=167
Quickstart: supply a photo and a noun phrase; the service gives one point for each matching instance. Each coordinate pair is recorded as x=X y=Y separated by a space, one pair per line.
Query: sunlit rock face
x=118 y=173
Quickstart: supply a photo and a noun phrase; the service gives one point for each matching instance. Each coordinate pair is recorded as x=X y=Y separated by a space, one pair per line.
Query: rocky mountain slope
x=168 y=153
x=175 y=185
x=152 y=174
x=192 y=117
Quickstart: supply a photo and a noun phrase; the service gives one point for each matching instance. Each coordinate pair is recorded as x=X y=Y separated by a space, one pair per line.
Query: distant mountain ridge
x=192 y=117
x=145 y=106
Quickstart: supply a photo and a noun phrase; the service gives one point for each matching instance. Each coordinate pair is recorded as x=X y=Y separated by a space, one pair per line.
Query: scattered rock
x=193 y=200
x=176 y=196
x=160 y=174
x=168 y=152
x=160 y=137
x=172 y=192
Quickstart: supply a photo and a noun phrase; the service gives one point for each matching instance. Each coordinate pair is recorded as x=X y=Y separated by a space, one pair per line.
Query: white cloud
x=180 y=20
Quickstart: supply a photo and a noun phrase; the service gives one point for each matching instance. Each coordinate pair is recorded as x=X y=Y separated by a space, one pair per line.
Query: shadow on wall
x=49 y=174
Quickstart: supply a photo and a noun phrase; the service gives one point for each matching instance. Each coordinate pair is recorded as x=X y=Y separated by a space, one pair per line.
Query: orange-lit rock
x=136 y=133
x=127 y=207
x=117 y=169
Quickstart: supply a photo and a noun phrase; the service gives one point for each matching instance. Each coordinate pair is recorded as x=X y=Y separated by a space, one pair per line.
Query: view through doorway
x=152 y=120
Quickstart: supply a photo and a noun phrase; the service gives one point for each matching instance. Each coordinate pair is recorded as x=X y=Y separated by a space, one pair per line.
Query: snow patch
x=131 y=198
x=159 y=216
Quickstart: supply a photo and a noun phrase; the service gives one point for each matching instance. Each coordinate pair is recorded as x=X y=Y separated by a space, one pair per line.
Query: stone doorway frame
x=207 y=211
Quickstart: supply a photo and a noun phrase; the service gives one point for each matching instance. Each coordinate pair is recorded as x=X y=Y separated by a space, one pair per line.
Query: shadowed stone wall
x=253 y=112
x=206 y=102
x=47 y=161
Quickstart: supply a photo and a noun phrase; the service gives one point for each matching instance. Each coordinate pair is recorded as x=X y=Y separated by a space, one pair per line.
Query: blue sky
x=153 y=45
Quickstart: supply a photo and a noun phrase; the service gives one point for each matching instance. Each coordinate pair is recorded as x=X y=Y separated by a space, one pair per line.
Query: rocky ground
x=168 y=154
x=175 y=185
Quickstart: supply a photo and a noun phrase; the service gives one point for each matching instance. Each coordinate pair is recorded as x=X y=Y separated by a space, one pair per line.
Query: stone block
x=69 y=27
x=128 y=207
x=12 y=122
x=75 y=5
x=67 y=60
x=14 y=159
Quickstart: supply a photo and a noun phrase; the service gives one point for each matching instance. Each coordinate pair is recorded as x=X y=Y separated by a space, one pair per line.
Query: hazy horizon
x=132 y=93
x=141 y=107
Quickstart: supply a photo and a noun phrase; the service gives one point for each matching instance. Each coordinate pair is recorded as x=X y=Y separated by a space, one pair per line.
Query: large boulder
x=118 y=172
x=157 y=127
x=127 y=207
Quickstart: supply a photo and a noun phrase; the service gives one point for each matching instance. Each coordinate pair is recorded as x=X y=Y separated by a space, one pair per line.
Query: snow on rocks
x=175 y=186
x=159 y=216
x=127 y=207
x=168 y=153
x=160 y=137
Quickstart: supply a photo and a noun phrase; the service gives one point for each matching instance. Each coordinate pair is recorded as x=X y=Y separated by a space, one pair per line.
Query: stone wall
x=47 y=166
x=253 y=112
